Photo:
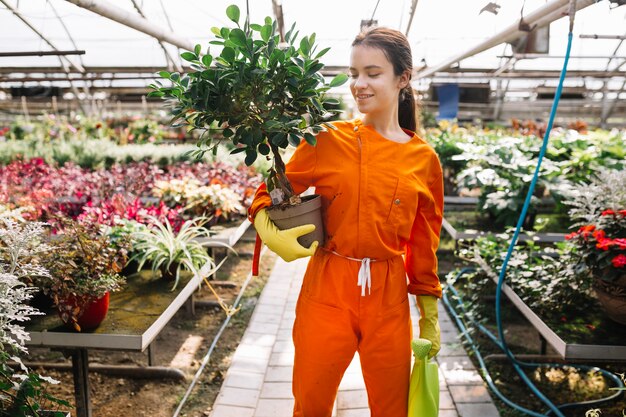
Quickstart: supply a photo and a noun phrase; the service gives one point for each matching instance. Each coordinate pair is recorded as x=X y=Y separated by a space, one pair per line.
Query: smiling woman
x=382 y=197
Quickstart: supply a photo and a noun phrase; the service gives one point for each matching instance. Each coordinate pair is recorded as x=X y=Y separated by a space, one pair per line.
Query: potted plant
x=22 y=391
x=84 y=267
x=171 y=252
x=600 y=242
x=258 y=94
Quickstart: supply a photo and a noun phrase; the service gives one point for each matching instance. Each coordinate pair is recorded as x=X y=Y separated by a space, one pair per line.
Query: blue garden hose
x=501 y=342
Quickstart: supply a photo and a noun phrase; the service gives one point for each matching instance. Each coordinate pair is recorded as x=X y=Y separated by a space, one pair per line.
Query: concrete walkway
x=258 y=382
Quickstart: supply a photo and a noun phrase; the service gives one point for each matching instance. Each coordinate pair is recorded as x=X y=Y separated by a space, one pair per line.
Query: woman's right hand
x=283 y=242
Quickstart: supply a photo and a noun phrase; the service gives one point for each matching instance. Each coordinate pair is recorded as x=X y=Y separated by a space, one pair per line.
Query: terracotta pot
x=93 y=313
x=307 y=212
x=612 y=298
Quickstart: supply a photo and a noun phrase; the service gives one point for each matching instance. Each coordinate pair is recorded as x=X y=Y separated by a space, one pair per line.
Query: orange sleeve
x=299 y=170
x=421 y=250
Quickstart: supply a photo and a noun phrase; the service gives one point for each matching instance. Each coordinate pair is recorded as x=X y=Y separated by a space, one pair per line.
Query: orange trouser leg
x=386 y=362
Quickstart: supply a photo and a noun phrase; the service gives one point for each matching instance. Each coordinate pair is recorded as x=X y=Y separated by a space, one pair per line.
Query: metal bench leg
x=80 y=369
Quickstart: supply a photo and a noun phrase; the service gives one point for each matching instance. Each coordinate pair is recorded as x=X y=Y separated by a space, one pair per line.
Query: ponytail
x=407 y=109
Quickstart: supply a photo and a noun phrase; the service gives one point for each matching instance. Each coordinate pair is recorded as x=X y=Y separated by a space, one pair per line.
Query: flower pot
x=307 y=212
x=612 y=298
x=168 y=274
x=92 y=313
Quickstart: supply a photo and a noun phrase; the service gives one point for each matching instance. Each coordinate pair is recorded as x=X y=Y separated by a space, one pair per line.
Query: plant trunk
x=279 y=179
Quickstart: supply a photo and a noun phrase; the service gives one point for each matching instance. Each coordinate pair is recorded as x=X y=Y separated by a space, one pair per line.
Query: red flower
x=604 y=244
x=608 y=212
x=622 y=212
x=619 y=261
x=599 y=235
x=571 y=236
x=621 y=242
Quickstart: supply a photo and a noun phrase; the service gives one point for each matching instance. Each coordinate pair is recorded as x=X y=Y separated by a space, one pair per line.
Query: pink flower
x=619 y=261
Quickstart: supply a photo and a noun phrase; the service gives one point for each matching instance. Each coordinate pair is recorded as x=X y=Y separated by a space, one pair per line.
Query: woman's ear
x=405 y=79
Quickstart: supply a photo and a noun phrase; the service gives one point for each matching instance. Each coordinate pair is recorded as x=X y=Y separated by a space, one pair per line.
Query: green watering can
x=424 y=387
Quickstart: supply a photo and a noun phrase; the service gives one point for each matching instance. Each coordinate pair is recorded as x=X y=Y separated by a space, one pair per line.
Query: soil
x=114 y=396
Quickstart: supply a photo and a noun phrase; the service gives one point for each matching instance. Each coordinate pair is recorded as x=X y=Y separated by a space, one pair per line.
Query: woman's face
x=374 y=85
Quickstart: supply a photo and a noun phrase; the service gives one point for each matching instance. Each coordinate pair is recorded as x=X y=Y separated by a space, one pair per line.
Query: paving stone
x=462 y=377
x=243 y=380
x=284 y=346
x=274 y=408
x=258 y=339
x=455 y=362
x=269 y=309
x=448 y=413
x=253 y=365
x=251 y=351
x=477 y=410
x=281 y=359
x=268 y=328
x=451 y=349
x=352 y=399
x=352 y=381
x=265 y=318
x=469 y=394
x=279 y=374
x=450 y=337
x=284 y=334
x=231 y=411
x=237 y=396
x=354 y=412
x=445 y=401
x=279 y=390
x=447 y=326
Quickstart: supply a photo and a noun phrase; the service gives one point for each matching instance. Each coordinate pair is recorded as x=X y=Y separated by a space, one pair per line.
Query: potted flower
x=172 y=252
x=600 y=242
x=259 y=95
x=84 y=267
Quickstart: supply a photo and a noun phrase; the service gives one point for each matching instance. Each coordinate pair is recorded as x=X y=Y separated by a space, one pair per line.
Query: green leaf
x=189 y=56
x=264 y=149
x=331 y=101
x=338 y=80
x=310 y=138
x=266 y=32
x=238 y=37
x=227 y=133
x=294 y=140
x=197 y=49
x=268 y=20
x=206 y=60
x=250 y=156
x=228 y=54
x=237 y=150
x=224 y=32
x=232 y=12
x=322 y=53
x=216 y=31
x=255 y=26
x=164 y=74
x=304 y=46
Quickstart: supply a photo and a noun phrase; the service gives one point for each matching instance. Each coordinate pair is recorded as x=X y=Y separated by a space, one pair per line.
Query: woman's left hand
x=429 y=322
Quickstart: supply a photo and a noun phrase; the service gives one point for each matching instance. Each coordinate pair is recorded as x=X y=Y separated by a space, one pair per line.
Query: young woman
x=382 y=198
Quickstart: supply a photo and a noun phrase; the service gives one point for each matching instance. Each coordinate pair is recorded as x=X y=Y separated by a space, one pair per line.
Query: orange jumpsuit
x=380 y=200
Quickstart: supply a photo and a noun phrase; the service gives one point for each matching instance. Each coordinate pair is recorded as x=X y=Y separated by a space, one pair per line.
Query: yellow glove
x=429 y=322
x=283 y=242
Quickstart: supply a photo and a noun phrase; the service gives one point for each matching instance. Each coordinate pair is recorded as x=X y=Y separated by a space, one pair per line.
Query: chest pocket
x=403 y=205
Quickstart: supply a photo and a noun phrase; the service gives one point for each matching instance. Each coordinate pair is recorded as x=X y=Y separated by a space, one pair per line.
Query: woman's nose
x=359 y=82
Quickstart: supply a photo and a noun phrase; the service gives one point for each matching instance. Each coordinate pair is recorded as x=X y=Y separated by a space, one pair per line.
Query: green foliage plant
x=166 y=249
x=261 y=94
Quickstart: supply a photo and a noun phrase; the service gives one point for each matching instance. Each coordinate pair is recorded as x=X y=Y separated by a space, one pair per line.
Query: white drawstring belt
x=365 y=273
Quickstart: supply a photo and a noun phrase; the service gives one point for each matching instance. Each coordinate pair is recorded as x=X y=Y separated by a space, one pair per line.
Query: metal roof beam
x=538 y=18
x=122 y=16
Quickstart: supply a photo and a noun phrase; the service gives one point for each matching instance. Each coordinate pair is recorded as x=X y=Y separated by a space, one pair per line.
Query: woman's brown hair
x=397 y=49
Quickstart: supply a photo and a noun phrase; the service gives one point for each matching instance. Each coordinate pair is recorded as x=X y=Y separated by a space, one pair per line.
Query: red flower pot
x=92 y=314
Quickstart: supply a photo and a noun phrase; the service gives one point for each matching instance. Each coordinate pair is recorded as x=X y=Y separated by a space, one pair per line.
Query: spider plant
x=172 y=252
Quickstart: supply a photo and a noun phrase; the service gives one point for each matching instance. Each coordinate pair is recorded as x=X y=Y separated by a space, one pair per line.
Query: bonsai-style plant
x=600 y=241
x=258 y=94
x=171 y=252
x=84 y=267
x=22 y=391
